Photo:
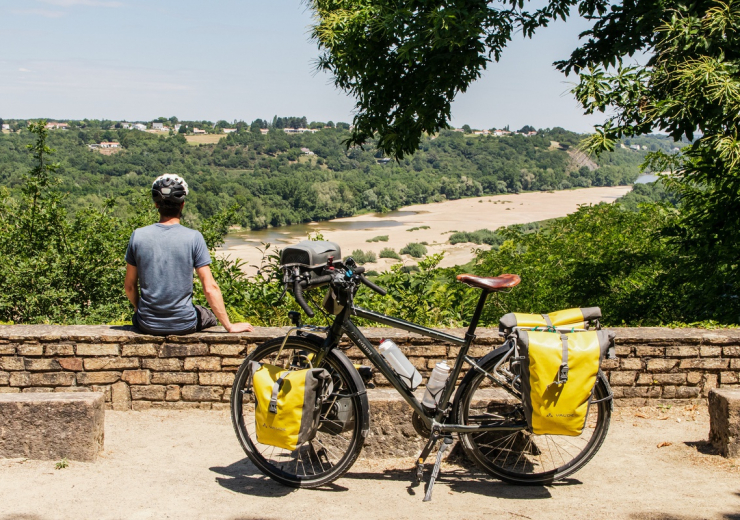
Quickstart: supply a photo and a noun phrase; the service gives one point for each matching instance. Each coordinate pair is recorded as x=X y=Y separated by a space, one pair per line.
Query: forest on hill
x=66 y=265
x=274 y=182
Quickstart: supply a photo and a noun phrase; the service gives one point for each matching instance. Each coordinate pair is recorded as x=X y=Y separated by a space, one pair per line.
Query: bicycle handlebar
x=300 y=285
x=372 y=286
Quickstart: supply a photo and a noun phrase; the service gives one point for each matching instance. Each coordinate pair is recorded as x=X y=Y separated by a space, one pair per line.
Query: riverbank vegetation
x=65 y=266
x=275 y=182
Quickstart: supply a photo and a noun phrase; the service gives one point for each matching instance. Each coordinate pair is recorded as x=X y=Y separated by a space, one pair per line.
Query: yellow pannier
x=566 y=319
x=288 y=403
x=559 y=373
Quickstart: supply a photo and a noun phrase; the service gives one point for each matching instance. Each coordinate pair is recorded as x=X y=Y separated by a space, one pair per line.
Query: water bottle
x=400 y=363
x=435 y=385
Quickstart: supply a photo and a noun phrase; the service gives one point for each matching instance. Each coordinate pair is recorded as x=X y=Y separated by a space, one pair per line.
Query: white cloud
x=23 y=70
x=40 y=12
x=90 y=3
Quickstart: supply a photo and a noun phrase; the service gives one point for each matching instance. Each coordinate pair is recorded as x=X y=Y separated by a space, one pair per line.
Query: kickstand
x=435 y=472
x=428 y=447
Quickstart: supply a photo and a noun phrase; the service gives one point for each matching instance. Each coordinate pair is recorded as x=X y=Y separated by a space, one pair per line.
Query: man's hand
x=240 y=327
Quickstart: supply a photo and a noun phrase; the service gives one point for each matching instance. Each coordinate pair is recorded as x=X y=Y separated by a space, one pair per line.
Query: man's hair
x=169 y=209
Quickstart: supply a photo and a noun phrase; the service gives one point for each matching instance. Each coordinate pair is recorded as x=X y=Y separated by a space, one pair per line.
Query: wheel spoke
x=522 y=455
x=327 y=455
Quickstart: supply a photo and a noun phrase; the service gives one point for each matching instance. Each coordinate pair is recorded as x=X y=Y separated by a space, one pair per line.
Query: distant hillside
x=280 y=178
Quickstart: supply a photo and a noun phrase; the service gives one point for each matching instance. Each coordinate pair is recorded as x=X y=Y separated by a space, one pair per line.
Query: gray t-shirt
x=165 y=257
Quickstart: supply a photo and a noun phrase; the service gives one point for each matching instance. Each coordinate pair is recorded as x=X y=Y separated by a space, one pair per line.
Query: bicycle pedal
x=419 y=471
x=435 y=472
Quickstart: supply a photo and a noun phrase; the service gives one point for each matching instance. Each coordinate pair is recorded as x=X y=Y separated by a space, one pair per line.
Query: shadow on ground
x=703 y=447
x=663 y=516
x=243 y=477
x=463 y=481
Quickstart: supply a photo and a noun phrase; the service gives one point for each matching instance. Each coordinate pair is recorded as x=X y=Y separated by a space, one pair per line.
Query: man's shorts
x=205 y=319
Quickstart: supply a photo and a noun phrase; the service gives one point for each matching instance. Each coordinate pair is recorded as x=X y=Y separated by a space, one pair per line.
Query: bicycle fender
x=356 y=378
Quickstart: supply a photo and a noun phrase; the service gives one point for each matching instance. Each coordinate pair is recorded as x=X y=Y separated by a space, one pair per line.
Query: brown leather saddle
x=490 y=283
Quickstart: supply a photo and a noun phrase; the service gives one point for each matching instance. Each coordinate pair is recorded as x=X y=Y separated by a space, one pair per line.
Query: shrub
x=379 y=238
x=388 y=252
x=414 y=249
x=417 y=228
x=482 y=236
x=363 y=257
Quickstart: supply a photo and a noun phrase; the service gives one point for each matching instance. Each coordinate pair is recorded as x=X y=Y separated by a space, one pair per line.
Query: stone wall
x=196 y=371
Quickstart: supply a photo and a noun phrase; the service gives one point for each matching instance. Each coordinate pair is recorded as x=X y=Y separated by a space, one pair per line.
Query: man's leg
x=206 y=318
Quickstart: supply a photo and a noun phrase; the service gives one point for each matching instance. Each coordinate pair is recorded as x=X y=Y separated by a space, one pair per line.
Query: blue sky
x=232 y=59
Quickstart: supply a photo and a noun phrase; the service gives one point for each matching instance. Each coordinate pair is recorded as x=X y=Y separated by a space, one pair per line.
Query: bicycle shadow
x=243 y=477
x=461 y=480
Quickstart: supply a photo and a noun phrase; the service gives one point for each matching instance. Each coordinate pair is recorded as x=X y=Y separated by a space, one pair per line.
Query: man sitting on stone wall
x=159 y=270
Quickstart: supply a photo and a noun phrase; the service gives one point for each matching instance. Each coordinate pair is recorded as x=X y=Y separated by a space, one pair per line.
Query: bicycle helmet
x=169 y=188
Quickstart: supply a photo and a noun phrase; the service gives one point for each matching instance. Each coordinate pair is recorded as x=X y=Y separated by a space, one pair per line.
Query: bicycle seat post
x=470 y=335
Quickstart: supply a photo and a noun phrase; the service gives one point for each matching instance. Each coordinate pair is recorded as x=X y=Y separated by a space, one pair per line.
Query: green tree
x=690 y=89
x=405 y=61
x=58 y=268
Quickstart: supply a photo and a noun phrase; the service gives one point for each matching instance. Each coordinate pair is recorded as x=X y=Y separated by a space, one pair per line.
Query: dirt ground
x=195 y=140
x=188 y=464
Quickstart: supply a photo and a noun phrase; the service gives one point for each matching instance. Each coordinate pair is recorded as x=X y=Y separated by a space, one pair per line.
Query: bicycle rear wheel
x=523 y=457
x=344 y=417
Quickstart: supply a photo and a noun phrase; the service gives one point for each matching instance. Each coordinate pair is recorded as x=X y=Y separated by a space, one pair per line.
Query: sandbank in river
x=490 y=212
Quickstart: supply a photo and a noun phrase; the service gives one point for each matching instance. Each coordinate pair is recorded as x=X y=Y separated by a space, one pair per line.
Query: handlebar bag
x=558 y=376
x=288 y=403
x=578 y=318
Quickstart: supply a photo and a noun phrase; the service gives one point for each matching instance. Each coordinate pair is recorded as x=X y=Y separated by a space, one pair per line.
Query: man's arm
x=131 y=284
x=215 y=299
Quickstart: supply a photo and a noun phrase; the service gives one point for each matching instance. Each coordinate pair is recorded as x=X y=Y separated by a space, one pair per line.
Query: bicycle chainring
x=419 y=426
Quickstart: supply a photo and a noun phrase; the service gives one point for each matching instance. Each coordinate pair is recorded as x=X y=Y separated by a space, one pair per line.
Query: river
x=439 y=219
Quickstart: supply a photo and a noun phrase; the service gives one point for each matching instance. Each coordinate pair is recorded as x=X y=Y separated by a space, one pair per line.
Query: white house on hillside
x=6 y=126
x=139 y=126
x=110 y=144
x=229 y=130
x=198 y=131
x=56 y=126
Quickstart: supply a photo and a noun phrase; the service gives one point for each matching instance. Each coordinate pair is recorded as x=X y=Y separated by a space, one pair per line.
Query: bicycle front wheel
x=523 y=457
x=343 y=419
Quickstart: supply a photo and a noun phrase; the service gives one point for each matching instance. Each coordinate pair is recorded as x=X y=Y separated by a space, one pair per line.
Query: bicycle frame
x=434 y=421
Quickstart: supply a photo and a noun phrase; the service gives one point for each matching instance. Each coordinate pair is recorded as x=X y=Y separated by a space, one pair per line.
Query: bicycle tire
x=524 y=445
x=350 y=383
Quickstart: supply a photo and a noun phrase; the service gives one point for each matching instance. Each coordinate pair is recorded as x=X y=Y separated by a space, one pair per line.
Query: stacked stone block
x=140 y=372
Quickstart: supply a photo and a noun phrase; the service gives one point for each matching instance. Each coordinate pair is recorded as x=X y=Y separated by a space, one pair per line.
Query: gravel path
x=188 y=464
